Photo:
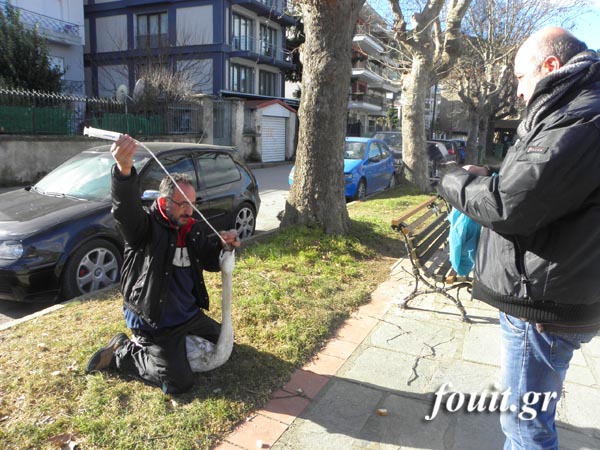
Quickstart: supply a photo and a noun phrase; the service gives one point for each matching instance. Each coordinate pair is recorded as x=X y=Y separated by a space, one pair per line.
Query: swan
x=203 y=355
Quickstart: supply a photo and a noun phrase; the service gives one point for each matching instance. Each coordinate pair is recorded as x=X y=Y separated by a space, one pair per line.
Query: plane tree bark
x=317 y=197
x=432 y=44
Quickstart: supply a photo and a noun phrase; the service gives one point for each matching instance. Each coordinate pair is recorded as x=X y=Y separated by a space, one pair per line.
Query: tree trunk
x=415 y=88
x=317 y=195
x=472 y=145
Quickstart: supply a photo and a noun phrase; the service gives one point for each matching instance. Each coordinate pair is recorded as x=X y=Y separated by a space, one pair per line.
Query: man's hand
x=477 y=170
x=230 y=237
x=123 y=151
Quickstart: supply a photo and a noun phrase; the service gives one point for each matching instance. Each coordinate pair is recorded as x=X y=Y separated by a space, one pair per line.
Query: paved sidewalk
x=372 y=386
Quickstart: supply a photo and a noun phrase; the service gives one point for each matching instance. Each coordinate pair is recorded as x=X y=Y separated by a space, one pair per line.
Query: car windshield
x=394 y=139
x=355 y=150
x=85 y=176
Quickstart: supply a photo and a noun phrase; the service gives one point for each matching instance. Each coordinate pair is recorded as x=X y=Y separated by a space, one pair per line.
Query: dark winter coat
x=539 y=253
x=150 y=243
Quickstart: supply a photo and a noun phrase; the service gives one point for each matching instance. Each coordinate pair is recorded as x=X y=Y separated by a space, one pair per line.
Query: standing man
x=538 y=259
x=161 y=280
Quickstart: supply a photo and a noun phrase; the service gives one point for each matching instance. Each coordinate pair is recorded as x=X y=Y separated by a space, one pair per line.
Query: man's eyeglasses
x=182 y=204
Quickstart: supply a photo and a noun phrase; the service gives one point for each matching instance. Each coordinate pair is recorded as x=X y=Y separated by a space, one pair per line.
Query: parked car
x=393 y=139
x=462 y=150
x=368 y=167
x=451 y=145
x=438 y=154
x=58 y=238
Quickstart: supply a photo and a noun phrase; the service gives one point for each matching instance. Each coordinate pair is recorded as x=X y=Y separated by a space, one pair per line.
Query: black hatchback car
x=58 y=238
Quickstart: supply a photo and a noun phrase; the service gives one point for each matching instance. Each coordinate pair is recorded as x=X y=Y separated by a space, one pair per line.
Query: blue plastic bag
x=463 y=240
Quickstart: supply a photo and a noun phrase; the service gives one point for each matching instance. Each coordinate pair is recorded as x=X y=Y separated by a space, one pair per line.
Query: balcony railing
x=260 y=46
x=366 y=98
x=45 y=23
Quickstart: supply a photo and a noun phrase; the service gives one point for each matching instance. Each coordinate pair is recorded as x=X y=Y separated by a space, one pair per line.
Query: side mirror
x=150 y=195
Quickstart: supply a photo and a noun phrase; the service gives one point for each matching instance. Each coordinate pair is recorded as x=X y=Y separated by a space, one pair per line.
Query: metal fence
x=30 y=112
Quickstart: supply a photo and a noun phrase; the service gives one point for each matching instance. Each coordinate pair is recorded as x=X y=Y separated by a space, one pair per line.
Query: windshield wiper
x=57 y=194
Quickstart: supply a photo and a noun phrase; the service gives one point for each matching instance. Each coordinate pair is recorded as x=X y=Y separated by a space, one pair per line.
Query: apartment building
x=61 y=23
x=374 y=88
x=234 y=47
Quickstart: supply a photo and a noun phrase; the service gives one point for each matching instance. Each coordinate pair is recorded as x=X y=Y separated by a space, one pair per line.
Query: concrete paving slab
x=579 y=406
x=482 y=344
x=389 y=370
x=464 y=376
x=476 y=431
x=414 y=337
x=576 y=440
x=404 y=427
x=335 y=419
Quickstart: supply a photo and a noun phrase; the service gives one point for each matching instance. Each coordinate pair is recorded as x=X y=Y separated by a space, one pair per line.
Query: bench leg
x=457 y=302
x=436 y=290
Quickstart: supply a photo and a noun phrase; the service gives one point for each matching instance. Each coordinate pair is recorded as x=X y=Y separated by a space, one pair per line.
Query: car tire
x=94 y=265
x=361 y=190
x=244 y=220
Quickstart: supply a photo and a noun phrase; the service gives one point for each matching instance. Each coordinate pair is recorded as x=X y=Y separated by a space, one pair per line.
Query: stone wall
x=25 y=159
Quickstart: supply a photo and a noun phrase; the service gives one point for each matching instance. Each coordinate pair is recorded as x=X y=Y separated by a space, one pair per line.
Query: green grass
x=292 y=291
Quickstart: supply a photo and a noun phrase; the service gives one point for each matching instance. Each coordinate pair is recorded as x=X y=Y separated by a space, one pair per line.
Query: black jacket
x=150 y=243
x=539 y=252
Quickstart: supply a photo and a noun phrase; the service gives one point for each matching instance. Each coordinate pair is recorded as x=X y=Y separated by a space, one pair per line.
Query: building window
x=267 y=83
x=268 y=40
x=242 y=33
x=152 y=30
x=241 y=78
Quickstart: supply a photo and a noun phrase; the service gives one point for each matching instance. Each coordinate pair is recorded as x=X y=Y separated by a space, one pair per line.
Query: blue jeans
x=534 y=366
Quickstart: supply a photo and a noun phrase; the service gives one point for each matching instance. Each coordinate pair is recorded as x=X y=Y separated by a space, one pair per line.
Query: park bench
x=425 y=230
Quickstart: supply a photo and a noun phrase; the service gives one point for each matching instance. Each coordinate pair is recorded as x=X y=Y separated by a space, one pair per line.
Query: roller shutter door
x=273 y=139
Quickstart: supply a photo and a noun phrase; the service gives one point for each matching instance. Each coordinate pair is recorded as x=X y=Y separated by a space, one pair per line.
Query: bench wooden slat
x=433 y=240
x=438 y=260
x=418 y=222
x=434 y=229
x=397 y=223
x=435 y=245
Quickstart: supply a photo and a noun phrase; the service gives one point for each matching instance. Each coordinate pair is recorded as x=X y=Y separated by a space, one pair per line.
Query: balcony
x=375 y=76
x=279 y=11
x=368 y=44
x=262 y=50
x=55 y=30
x=367 y=103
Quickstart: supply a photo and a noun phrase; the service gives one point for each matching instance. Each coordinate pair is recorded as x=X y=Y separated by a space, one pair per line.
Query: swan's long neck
x=224 y=346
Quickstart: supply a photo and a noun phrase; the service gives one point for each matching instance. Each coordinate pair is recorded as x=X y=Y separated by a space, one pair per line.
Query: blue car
x=368 y=167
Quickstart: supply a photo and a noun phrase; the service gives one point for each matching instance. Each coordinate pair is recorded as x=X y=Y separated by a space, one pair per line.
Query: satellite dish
x=122 y=93
x=138 y=90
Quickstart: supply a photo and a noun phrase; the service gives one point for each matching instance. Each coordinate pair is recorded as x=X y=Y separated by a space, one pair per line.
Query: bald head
x=552 y=41
x=543 y=52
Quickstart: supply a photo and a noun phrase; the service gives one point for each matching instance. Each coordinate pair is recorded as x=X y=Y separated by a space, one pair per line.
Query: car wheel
x=93 y=266
x=361 y=190
x=244 y=221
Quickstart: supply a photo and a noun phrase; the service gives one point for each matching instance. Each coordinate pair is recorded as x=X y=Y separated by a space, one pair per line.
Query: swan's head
x=227 y=261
